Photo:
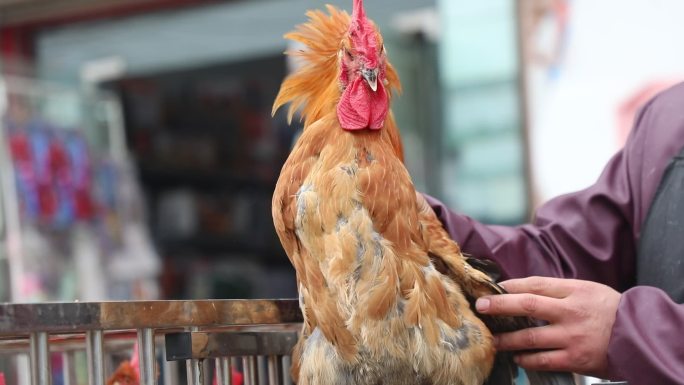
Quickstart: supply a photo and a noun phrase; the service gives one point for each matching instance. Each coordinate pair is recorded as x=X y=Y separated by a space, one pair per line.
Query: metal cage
x=257 y=335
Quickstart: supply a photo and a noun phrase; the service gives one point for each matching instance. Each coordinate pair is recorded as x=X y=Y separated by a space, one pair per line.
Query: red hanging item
x=236 y=376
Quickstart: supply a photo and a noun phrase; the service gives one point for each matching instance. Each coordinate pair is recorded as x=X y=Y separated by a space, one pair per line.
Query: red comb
x=362 y=35
x=358 y=13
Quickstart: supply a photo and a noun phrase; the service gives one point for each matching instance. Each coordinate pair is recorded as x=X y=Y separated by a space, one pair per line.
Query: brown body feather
x=384 y=291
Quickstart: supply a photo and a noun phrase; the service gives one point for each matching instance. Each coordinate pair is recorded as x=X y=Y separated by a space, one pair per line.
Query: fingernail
x=482 y=305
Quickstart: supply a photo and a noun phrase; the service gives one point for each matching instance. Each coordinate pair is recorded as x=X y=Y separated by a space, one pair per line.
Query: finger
x=552 y=360
x=543 y=337
x=550 y=287
x=530 y=305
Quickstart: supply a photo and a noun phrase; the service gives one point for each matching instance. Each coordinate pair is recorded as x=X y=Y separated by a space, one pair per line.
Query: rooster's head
x=364 y=102
x=342 y=70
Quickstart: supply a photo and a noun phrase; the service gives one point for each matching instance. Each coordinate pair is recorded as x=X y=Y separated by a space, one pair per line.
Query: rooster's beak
x=371 y=76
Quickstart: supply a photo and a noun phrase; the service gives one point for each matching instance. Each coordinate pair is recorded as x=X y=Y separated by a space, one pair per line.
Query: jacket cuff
x=645 y=345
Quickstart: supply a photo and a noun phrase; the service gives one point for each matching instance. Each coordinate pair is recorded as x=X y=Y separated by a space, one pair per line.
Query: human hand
x=581 y=315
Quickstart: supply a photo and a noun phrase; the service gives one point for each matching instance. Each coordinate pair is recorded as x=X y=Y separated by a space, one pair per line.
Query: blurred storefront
x=139 y=153
x=171 y=102
x=484 y=168
x=488 y=114
x=193 y=84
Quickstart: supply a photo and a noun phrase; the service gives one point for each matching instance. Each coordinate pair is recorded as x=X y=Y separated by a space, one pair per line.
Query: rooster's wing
x=475 y=277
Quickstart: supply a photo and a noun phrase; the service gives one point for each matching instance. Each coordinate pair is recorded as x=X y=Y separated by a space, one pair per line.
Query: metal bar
x=249 y=370
x=287 y=363
x=273 y=370
x=235 y=363
x=95 y=357
x=194 y=366
x=218 y=372
x=147 y=358
x=68 y=369
x=40 y=359
x=224 y=372
x=277 y=343
x=22 y=368
x=67 y=317
x=113 y=341
x=262 y=374
x=170 y=370
x=109 y=365
x=194 y=370
x=208 y=366
x=187 y=345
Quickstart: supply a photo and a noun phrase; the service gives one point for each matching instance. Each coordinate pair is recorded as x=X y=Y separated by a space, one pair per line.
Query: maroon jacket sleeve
x=586 y=235
x=593 y=234
x=647 y=343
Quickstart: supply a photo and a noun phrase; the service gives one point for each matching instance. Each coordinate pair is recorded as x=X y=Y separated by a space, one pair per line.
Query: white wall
x=612 y=49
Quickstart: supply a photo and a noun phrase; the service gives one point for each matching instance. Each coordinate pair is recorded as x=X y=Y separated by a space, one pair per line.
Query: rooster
x=128 y=372
x=386 y=295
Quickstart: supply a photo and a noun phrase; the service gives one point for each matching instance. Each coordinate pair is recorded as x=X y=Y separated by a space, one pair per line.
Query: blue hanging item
x=106 y=183
x=39 y=139
x=81 y=172
x=62 y=181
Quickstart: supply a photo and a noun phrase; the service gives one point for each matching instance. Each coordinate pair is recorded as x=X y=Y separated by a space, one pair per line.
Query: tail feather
x=505 y=370
x=550 y=378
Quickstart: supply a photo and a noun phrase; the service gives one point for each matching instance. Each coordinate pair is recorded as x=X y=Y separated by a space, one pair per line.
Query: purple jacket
x=593 y=235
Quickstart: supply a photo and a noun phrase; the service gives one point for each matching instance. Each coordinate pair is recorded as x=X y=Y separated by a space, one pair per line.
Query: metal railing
x=255 y=334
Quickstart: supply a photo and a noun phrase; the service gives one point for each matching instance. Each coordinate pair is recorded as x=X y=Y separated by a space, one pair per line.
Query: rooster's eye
x=348 y=54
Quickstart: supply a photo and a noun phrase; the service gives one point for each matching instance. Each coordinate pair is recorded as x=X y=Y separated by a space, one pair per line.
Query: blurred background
x=139 y=156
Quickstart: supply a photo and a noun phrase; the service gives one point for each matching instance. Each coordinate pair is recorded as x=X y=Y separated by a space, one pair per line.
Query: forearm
x=590 y=234
x=497 y=243
x=565 y=247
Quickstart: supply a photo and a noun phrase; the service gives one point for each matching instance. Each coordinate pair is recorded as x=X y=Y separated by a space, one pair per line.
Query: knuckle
x=575 y=335
x=580 y=311
x=495 y=303
x=583 y=291
x=529 y=338
x=529 y=304
x=544 y=361
x=538 y=284
x=581 y=286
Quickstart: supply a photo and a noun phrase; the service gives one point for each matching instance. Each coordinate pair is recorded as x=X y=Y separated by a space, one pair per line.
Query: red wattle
x=361 y=108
